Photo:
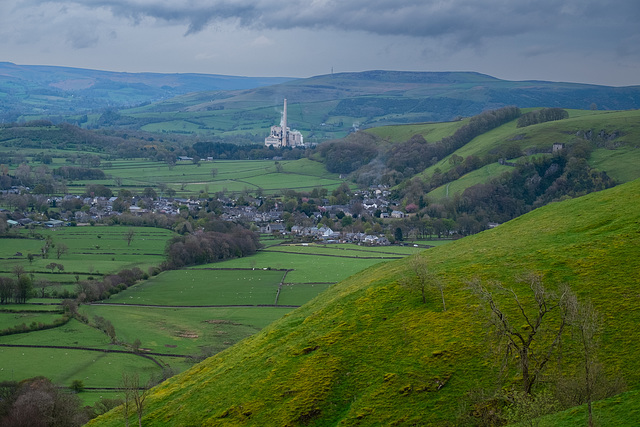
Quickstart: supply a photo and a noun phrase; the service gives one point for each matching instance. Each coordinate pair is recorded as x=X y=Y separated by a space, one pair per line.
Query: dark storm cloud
x=465 y=21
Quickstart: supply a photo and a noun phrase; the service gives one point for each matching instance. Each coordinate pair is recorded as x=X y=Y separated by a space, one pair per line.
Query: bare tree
x=61 y=249
x=586 y=323
x=591 y=383
x=424 y=279
x=528 y=331
x=48 y=244
x=18 y=270
x=42 y=285
x=135 y=395
x=127 y=387
x=128 y=236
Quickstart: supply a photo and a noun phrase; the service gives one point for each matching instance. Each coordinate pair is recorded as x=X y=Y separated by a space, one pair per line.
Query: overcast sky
x=585 y=41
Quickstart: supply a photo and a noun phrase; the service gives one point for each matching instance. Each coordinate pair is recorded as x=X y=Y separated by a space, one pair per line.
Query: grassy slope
x=368 y=352
x=620 y=410
x=620 y=163
x=432 y=132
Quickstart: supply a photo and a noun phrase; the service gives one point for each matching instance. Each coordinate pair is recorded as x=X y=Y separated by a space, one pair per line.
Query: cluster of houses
x=28 y=221
x=327 y=235
x=97 y=208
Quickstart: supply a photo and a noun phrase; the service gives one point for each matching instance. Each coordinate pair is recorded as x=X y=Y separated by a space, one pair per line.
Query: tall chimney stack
x=285 y=135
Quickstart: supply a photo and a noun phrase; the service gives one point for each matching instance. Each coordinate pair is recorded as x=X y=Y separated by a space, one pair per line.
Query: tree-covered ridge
x=541 y=116
x=405 y=159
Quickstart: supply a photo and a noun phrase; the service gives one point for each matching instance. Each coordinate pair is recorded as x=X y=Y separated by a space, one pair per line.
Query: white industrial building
x=282 y=136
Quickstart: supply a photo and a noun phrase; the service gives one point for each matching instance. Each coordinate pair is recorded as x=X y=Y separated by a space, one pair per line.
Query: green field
x=431 y=132
x=315 y=264
x=91 y=251
x=198 y=287
x=62 y=366
x=479 y=176
x=185 y=331
x=234 y=176
x=11 y=320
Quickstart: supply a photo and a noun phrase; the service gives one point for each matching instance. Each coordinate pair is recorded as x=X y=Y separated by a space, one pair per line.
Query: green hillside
x=369 y=352
x=612 y=136
x=617 y=152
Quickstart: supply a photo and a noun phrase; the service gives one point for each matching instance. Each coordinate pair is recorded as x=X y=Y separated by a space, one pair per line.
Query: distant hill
x=39 y=89
x=369 y=352
x=321 y=107
x=330 y=106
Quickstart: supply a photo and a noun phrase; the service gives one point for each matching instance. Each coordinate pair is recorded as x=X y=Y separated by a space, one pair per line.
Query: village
x=31 y=211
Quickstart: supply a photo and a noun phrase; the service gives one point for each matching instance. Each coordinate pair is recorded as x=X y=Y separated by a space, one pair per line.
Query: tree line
x=71 y=172
x=361 y=151
x=229 y=151
x=542 y=116
x=15 y=291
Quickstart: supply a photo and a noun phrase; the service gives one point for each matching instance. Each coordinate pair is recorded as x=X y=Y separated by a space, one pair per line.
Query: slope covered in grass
x=368 y=352
x=616 y=152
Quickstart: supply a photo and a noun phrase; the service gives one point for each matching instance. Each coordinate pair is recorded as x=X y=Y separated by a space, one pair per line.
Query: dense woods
x=210 y=246
x=350 y=154
x=532 y=183
x=15 y=291
x=229 y=151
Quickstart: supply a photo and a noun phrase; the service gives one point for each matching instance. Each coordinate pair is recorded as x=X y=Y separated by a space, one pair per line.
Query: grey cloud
x=82 y=38
x=462 y=20
x=456 y=24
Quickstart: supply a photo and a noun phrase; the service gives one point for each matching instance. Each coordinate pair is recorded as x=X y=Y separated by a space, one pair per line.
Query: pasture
x=201 y=287
x=13 y=319
x=90 y=251
x=176 y=317
x=319 y=263
x=229 y=176
x=185 y=330
x=94 y=368
x=478 y=176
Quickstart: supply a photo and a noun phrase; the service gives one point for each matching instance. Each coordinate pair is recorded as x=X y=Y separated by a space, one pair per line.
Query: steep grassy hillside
x=429 y=131
x=368 y=352
x=614 y=137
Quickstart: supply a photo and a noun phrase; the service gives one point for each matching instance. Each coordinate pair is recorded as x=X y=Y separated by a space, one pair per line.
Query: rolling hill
x=369 y=352
x=330 y=106
x=321 y=107
x=62 y=91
